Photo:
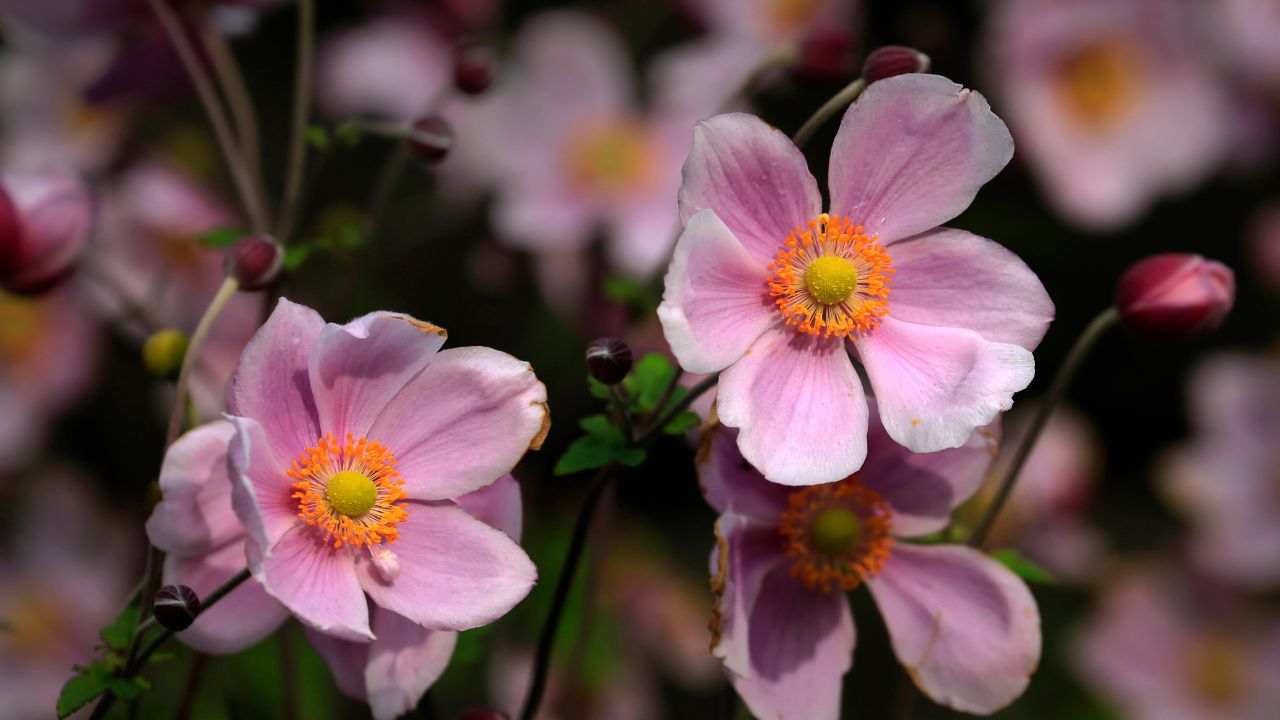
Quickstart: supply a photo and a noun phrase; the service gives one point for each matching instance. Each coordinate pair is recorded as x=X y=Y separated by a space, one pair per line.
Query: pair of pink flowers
x=362 y=474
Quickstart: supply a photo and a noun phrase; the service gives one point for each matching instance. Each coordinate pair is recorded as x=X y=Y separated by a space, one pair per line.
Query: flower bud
x=608 y=360
x=1175 y=294
x=473 y=67
x=163 y=352
x=890 y=60
x=255 y=261
x=431 y=138
x=827 y=54
x=44 y=226
x=176 y=607
x=483 y=713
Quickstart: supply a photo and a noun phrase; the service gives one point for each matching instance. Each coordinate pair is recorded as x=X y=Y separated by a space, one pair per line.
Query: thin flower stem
x=620 y=397
x=191 y=689
x=1079 y=351
x=243 y=112
x=829 y=108
x=546 y=640
x=213 y=108
x=777 y=60
x=388 y=178
x=694 y=393
x=669 y=390
x=301 y=116
x=211 y=313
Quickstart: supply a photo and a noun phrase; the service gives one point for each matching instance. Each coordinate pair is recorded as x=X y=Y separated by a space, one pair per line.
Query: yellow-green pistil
x=835 y=531
x=830 y=279
x=351 y=493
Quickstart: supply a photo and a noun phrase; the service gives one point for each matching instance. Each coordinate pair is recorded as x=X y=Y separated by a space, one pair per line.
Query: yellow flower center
x=21 y=321
x=611 y=159
x=831 y=279
x=1218 y=670
x=788 y=16
x=350 y=492
x=836 y=534
x=1100 y=83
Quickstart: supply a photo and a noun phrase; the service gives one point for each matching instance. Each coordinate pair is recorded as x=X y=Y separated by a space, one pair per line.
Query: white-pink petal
x=317 y=582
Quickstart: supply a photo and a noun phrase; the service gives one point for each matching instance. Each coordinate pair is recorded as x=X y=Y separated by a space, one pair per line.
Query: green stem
x=1057 y=391
x=695 y=392
x=828 y=110
x=301 y=116
x=216 y=306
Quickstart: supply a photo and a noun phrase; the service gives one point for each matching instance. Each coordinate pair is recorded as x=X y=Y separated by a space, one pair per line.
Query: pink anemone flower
x=774 y=292
x=964 y=626
x=205 y=543
x=352 y=443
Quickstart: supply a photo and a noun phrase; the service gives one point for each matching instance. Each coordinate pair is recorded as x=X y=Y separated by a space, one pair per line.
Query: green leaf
x=318 y=137
x=604 y=443
x=128 y=688
x=628 y=292
x=349 y=133
x=648 y=381
x=682 y=423
x=221 y=237
x=119 y=633
x=296 y=255
x=88 y=683
x=1022 y=567
x=598 y=390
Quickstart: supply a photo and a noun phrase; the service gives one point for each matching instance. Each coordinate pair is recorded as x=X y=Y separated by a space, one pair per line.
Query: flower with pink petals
x=1112 y=101
x=45 y=219
x=774 y=292
x=393 y=68
x=351 y=444
x=965 y=627
x=1224 y=481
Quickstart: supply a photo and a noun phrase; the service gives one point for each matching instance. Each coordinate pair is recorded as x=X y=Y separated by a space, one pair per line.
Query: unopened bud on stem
x=608 y=360
x=885 y=62
x=176 y=607
x=255 y=261
x=1175 y=294
x=431 y=138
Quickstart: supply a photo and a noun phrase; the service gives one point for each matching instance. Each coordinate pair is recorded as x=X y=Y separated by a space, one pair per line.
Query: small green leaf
x=649 y=380
x=589 y=453
x=88 y=683
x=118 y=634
x=349 y=133
x=1022 y=567
x=162 y=657
x=628 y=292
x=599 y=426
x=318 y=137
x=682 y=423
x=128 y=688
x=296 y=255
x=221 y=237
x=598 y=390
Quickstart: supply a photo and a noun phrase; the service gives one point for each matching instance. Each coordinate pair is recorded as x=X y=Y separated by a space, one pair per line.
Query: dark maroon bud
x=1175 y=294
x=608 y=360
x=11 y=246
x=45 y=219
x=483 y=713
x=431 y=138
x=176 y=607
x=473 y=67
x=828 y=55
x=890 y=60
x=255 y=261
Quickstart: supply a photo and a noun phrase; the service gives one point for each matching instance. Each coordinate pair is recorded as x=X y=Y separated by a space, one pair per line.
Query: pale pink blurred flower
x=965 y=628
x=775 y=294
x=1160 y=647
x=390 y=67
x=1248 y=40
x=770 y=23
x=1113 y=102
x=1224 y=480
x=61 y=579
x=1263 y=242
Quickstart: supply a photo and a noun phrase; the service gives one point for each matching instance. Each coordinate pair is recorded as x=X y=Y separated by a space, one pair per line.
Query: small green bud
x=162 y=353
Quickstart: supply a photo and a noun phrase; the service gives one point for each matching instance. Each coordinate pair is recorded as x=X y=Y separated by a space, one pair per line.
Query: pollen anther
x=351 y=492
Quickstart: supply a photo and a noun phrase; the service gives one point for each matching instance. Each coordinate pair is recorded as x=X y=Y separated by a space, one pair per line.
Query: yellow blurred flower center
x=837 y=535
x=835 y=530
x=788 y=16
x=1218 y=671
x=1100 y=83
x=20 y=323
x=611 y=159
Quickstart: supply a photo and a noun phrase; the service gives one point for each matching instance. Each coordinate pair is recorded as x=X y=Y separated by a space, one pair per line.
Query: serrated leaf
x=592 y=451
x=119 y=633
x=648 y=381
x=1022 y=567
x=682 y=423
x=88 y=683
x=318 y=138
x=221 y=237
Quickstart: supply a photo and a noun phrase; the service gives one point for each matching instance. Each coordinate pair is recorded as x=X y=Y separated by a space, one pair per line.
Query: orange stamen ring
x=818 y=564
x=320 y=463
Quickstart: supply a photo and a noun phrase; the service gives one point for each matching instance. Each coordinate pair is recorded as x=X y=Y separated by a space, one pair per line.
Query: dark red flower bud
x=608 y=360
x=176 y=607
x=1175 y=294
x=44 y=226
x=255 y=261
x=827 y=54
x=431 y=138
x=10 y=235
x=890 y=60
x=483 y=713
x=473 y=67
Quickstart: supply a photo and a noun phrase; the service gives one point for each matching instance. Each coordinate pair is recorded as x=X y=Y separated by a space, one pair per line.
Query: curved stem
x=301 y=114
x=213 y=108
x=243 y=112
x=833 y=105
x=1079 y=351
x=211 y=313
x=776 y=60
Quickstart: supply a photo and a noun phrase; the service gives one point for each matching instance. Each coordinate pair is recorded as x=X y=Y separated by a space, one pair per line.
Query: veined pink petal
x=194 y=515
x=935 y=385
x=270 y=384
x=952 y=278
x=730 y=483
x=497 y=505
x=753 y=177
x=799 y=407
x=317 y=582
x=260 y=490
x=347 y=660
x=405 y=660
x=965 y=628
x=455 y=572
x=240 y=619
x=355 y=369
x=716 y=302
x=912 y=153
x=463 y=422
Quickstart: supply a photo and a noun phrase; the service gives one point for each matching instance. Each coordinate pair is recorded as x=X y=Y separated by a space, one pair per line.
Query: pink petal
x=463 y=422
x=261 y=492
x=270 y=384
x=912 y=153
x=194 y=514
x=754 y=179
x=716 y=302
x=731 y=485
x=347 y=660
x=965 y=628
x=455 y=572
x=923 y=488
x=393 y=68
x=404 y=662
x=936 y=385
x=642 y=234
x=240 y=619
x=497 y=505
x=542 y=219
x=786 y=647
x=799 y=407
x=952 y=278
x=355 y=369
x=316 y=582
